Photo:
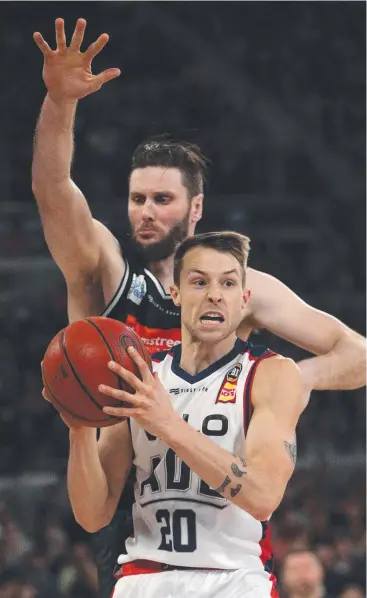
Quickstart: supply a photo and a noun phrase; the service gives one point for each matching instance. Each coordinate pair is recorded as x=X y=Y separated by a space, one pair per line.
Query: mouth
x=211 y=318
x=146 y=233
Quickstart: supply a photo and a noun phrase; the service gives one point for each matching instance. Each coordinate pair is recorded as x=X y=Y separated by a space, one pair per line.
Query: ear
x=175 y=294
x=246 y=297
x=196 y=210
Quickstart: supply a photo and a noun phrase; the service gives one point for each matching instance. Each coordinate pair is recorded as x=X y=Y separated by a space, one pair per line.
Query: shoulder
x=105 y=236
x=276 y=375
x=278 y=382
x=112 y=262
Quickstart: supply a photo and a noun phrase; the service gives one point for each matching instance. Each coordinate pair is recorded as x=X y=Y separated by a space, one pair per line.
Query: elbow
x=260 y=512
x=262 y=507
x=92 y=524
x=93 y=520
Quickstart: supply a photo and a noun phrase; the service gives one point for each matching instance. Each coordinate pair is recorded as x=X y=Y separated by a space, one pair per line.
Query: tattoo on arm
x=235 y=491
x=223 y=486
x=291 y=450
x=239 y=473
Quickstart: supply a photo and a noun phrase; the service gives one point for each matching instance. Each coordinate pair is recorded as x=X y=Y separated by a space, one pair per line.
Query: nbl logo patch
x=137 y=289
x=227 y=392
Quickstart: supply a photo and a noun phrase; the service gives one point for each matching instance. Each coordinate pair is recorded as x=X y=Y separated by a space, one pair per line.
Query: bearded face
x=161 y=214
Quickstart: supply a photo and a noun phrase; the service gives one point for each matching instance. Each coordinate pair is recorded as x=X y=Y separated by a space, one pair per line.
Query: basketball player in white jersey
x=165 y=203
x=212 y=436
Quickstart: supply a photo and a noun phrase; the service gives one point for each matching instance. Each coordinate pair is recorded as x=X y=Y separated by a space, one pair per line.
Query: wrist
x=80 y=433
x=171 y=429
x=174 y=430
x=61 y=102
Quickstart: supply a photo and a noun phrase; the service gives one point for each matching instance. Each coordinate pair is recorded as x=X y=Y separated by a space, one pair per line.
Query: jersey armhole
x=120 y=291
x=248 y=408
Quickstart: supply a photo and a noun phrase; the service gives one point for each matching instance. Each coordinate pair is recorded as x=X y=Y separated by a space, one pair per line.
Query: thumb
x=107 y=75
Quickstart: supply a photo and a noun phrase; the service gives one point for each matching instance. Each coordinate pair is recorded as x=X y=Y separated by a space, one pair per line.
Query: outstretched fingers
x=60 y=34
x=78 y=35
x=107 y=75
x=96 y=47
x=41 y=43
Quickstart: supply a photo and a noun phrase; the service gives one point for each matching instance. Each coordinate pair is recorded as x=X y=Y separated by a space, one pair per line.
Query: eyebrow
x=154 y=192
x=225 y=273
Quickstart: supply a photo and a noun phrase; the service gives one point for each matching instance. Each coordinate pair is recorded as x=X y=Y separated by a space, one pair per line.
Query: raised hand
x=67 y=72
x=151 y=404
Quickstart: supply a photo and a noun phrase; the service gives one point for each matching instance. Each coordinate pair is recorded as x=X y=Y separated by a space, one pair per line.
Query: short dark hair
x=226 y=241
x=168 y=153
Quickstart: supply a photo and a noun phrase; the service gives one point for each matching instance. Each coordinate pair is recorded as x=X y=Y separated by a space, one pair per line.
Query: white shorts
x=196 y=584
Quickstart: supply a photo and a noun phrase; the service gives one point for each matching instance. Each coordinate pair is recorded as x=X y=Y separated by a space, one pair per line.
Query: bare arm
x=97 y=473
x=75 y=240
x=257 y=482
x=341 y=361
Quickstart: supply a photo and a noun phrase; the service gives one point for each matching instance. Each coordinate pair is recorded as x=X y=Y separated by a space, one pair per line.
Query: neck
x=163 y=270
x=196 y=356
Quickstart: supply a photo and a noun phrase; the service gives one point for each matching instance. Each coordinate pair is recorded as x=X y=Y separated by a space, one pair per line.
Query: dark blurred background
x=274 y=93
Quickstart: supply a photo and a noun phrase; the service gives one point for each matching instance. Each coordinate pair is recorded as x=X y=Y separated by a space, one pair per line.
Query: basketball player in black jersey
x=165 y=203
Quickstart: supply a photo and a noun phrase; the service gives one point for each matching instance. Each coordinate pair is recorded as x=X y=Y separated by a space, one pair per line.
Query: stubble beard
x=165 y=247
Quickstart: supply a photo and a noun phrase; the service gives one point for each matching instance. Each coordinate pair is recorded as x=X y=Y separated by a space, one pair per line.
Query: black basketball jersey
x=142 y=303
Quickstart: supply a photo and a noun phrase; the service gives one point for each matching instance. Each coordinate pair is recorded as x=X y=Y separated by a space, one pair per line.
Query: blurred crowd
x=44 y=553
x=274 y=93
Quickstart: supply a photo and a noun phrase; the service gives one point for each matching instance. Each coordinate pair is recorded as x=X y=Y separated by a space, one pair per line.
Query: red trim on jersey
x=266 y=556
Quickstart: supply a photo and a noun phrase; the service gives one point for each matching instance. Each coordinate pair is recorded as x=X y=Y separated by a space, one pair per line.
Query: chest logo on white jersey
x=227 y=392
x=137 y=289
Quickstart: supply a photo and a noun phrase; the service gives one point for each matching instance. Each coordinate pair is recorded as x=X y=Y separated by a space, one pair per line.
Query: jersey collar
x=239 y=347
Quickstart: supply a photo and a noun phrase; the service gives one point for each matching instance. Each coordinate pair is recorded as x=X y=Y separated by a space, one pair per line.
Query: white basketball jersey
x=178 y=519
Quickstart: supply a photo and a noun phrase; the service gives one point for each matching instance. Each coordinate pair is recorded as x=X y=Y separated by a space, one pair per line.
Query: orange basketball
x=75 y=363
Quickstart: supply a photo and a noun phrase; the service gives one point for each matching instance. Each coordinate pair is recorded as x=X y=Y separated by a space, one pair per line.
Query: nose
x=214 y=295
x=147 y=212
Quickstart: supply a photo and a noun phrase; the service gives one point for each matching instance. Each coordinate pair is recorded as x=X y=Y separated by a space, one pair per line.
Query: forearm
x=251 y=487
x=343 y=368
x=87 y=482
x=53 y=144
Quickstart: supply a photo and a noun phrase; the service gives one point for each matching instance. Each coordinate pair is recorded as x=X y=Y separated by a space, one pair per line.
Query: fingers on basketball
x=142 y=365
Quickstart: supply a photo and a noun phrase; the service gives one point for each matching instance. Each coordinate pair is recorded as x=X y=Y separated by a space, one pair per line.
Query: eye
x=199 y=283
x=138 y=199
x=229 y=283
x=162 y=199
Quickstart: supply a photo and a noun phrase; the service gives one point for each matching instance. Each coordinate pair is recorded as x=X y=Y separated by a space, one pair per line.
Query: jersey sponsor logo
x=155 y=339
x=177 y=391
x=227 y=392
x=138 y=289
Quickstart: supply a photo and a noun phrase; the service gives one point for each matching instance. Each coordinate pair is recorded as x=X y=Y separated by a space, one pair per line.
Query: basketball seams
x=109 y=348
x=77 y=378
x=76 y=360
x=66 y=409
